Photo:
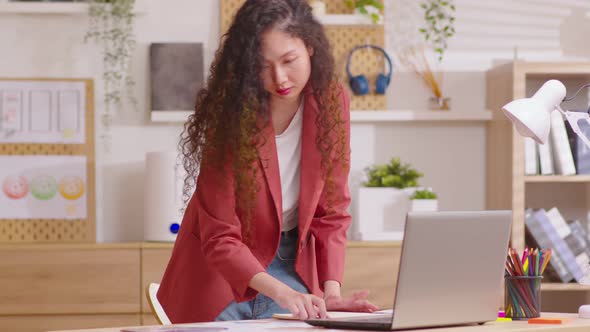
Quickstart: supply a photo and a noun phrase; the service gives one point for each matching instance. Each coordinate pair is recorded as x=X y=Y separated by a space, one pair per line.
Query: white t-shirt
x=289 y=153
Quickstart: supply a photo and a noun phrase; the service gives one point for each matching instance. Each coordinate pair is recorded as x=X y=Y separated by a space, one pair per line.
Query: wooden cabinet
x=83 y=279
x=154 y=259
x=506 y=184
x=73 y=286
x=67 y=286
x=36 y=323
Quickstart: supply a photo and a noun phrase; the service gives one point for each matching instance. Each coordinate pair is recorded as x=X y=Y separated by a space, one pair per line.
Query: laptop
x=451 y=272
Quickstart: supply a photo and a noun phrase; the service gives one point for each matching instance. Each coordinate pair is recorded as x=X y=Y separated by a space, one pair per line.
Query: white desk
x=574 y=324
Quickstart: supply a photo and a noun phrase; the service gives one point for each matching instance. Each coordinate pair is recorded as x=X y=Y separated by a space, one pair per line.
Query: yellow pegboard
x=230 y=7
x=342 y=39
x=57 y=230
x=366 y=61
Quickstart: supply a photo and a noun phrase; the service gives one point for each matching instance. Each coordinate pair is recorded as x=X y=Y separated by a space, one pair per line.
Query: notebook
x=451 y=272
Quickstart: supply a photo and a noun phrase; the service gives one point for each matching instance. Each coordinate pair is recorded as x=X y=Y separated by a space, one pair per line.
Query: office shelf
x=170 y=116
x=410 y=115
x=49 y=8
x=507 y=186
x=345 y=19
x=557 y=178
x=364 y=116
x=564 y=287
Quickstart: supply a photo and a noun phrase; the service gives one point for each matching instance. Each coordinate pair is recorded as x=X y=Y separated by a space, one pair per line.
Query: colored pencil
x=523 y=275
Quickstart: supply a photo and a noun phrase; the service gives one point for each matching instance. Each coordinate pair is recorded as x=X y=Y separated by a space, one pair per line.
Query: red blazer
x=211 y=265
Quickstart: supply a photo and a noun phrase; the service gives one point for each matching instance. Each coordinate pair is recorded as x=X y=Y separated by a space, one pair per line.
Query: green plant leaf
x=375 y=18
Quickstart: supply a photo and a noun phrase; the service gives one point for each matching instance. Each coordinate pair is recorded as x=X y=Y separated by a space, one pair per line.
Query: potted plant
x=383 y=201
x=424 y=200
x=370 y=8
x=111 y=26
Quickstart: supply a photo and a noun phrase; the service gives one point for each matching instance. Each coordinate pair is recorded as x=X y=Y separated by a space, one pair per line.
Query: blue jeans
x=282 y=267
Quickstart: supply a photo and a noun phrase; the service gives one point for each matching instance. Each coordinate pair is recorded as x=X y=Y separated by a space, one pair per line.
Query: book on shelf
x=580 y=152
x=531 y=157
x=562 y=153
x=557 y=230
x=545 y=158
x=578 y=240
x=556 y=271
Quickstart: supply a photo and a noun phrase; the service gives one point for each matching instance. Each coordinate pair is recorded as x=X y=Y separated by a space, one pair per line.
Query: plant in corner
x=370 y=8
x=111 y=26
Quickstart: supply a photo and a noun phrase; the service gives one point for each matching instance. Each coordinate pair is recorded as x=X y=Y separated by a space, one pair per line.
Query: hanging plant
x=440 y=24
x=370 y=8
x=111 y=26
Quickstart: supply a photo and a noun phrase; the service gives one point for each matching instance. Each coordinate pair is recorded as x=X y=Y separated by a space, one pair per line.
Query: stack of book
x=563 y=154
x=548 y=229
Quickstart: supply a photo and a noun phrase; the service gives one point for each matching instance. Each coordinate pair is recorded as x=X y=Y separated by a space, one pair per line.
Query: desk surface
x=574 y=324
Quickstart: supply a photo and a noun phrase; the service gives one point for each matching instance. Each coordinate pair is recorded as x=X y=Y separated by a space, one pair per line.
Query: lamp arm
x=575 y=94
x=573 y=118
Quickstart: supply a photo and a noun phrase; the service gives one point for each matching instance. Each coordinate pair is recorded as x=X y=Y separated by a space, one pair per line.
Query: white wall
x=450 y=155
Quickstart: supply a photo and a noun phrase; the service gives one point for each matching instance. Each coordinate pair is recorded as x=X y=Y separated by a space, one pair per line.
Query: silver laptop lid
x=451 y=268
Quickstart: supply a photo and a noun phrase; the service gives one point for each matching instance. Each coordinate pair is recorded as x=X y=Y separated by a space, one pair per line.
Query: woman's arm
x=220 y=231
x=331 y=219
x=329 y=228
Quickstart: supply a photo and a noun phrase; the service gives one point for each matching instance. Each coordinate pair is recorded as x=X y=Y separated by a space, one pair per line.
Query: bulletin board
x=342 y=39
x=55 y=143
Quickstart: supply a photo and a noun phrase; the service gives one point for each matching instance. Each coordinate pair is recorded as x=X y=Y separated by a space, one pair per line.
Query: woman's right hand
x=302 y=306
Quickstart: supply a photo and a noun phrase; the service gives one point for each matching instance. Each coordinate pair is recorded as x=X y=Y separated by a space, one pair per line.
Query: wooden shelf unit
x=557 y=178
x=557 y=286
x=507 y=187
x=505 y=178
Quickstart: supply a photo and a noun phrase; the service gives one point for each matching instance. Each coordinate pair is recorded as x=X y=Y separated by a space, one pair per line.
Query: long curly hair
x=233 y=108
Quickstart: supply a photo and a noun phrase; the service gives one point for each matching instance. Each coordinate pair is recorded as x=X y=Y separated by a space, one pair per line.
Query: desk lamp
x=532 y=118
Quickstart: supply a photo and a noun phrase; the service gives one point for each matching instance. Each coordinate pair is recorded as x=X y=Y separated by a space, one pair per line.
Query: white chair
x=151 y=291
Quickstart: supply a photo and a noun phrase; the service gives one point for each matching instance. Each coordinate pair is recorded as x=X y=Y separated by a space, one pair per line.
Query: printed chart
x=42 y=112
x=43 y=187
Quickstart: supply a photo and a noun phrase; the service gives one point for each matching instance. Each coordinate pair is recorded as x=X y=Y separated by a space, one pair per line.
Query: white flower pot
x=424 y=205
x=380 y=214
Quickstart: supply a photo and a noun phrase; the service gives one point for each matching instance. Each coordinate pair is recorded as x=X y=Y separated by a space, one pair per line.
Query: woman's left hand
x=357 y=302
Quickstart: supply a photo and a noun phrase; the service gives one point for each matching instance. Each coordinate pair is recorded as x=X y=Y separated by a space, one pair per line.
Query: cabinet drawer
x=153 y=265
x=69 y=281
x=64 y=322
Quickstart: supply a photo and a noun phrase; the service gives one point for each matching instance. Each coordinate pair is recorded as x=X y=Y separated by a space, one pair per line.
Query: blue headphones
x=359 y=84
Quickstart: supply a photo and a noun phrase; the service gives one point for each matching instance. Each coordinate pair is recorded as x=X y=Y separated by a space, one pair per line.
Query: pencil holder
x=522 y=296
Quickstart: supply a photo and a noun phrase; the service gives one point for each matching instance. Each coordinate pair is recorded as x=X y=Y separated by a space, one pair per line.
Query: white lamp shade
x=531 y=116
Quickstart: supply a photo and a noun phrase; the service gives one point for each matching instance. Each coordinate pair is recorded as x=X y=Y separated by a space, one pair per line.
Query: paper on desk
x=334 y=314
x=174 y=329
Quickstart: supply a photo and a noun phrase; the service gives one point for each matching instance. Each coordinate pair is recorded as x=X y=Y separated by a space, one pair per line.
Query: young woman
x=265 y=230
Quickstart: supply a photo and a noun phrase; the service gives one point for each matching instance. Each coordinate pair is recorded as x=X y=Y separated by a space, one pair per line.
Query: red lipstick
x=283 y=92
